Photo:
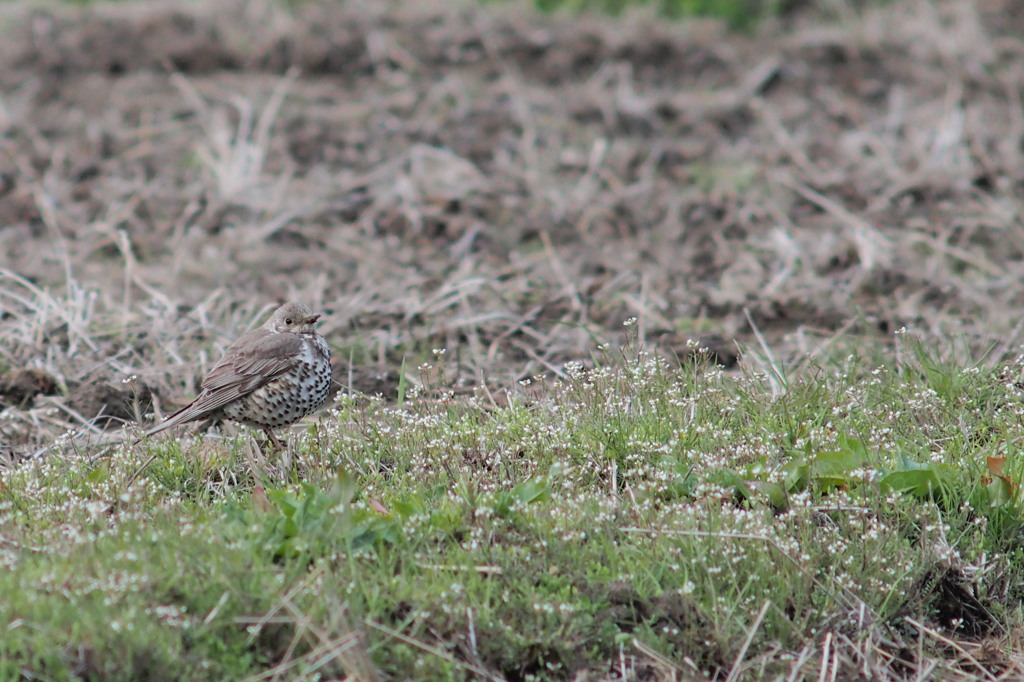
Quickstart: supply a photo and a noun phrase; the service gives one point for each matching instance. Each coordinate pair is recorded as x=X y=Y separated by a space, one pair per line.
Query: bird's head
x=293 y=317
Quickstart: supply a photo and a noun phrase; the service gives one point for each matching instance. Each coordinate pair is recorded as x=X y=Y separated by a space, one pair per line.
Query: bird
x=270 y=377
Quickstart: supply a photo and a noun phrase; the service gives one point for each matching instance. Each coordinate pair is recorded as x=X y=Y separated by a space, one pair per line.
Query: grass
x=738 y=14
x=638 y=519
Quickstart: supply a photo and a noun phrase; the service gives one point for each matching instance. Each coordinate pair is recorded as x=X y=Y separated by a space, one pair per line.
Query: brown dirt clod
x=109 y=406
x=19 y=387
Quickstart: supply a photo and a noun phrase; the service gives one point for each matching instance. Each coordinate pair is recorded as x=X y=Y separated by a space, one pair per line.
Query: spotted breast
x=296 y=393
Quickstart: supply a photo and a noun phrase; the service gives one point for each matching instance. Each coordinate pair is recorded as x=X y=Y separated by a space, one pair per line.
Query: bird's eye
x=288 y=320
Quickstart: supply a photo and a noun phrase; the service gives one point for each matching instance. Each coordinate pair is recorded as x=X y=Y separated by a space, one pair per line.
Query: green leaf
x=284 y=501
x=1000 y=492
x=798 y=475
x=534 y=490
x=854 y=447
x=923 y=480
x=99 y=474
x=773 y=492
x=837 y=462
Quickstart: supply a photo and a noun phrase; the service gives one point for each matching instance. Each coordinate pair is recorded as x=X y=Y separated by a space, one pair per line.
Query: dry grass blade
x=434 y=651
x=959 y=647
x=736 y=671
x=774 y=370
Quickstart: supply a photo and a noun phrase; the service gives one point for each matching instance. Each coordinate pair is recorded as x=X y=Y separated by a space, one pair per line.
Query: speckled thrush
x=272 y=376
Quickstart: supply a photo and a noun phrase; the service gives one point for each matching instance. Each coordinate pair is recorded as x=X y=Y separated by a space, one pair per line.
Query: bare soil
x=505 y=185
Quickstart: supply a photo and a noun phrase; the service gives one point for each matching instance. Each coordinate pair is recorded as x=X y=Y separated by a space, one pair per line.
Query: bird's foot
x=280 y=448
x=277 y=444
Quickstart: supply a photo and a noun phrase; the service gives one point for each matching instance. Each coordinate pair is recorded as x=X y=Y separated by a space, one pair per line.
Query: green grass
x=738 y=13
x=741 y=15
x=637 y=518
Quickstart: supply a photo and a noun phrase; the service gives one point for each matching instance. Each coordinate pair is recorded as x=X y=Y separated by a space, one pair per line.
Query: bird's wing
x=259 y=356
x=253 y=361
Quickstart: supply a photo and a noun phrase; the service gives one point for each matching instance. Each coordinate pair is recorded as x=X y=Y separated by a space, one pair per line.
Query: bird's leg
x=281 y=448
x=273 y=440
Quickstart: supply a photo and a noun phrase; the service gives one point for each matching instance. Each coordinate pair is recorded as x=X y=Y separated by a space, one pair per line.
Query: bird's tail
x=165 y=424
x=180 y=417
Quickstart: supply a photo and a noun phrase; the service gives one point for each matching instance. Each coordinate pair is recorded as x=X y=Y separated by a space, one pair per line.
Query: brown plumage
x=270 y=377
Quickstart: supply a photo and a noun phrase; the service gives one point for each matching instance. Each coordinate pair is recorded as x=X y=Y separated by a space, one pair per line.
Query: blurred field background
x=786 y=184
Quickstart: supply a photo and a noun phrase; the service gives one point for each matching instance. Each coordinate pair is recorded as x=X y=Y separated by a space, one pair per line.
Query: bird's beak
x=313 y=318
